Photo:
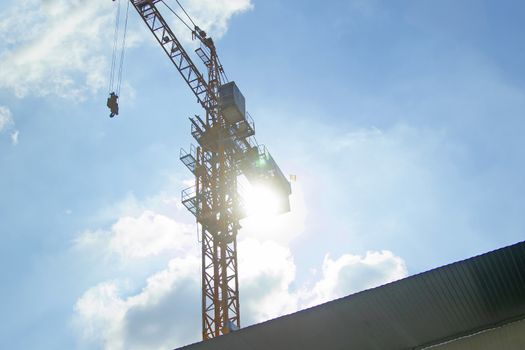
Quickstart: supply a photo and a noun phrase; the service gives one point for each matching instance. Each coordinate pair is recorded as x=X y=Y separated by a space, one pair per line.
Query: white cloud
x=55 y=47
x=166 y=312
x=166 y=202
x=266 y=272
x=14 y=137
x=153 y=318
x=352 y=273
x=149 y=234
x=100 y=312
x=213 y=15
x=134 y=237
x=64 y=47
x=6 y=118
x=268 y=278
x=7 y=122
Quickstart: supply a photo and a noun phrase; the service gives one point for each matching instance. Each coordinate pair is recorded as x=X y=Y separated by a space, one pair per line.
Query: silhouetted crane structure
x=226 y=148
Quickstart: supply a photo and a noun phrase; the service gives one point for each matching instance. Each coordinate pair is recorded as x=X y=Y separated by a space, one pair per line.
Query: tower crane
x=226 y=149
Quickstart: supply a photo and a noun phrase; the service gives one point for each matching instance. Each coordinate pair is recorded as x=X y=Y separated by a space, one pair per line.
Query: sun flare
x=260 y=201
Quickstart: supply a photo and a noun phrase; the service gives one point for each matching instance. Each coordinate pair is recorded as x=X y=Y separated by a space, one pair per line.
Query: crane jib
x=177 y=54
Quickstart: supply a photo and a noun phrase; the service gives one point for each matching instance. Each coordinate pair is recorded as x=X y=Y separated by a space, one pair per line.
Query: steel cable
x=186 y=13
x=119 y=81
x=177 y=15
x=115 y=43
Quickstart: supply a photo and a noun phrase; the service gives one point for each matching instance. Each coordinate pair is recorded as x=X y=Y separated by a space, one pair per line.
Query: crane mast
x=213 y=199
x=225 y=149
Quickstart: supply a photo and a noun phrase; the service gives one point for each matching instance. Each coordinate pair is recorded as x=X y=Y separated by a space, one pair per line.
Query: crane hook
x=112 y=104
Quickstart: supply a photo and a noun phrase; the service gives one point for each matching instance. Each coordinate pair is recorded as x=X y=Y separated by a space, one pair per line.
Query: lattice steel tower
x=226 y=148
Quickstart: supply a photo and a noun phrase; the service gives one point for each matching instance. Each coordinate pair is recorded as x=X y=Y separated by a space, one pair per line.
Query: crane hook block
x=112 y=104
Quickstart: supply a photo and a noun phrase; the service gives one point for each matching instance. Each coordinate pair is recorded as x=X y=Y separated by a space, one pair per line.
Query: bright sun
x=260 y=201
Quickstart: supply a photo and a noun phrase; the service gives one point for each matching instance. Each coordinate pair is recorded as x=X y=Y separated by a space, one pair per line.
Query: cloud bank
x=164 y=310
x=146 y=235
x=54 y=47
x=154 y=318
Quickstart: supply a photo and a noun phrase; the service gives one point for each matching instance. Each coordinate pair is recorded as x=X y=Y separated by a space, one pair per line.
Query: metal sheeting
x=416 y=312
x=509 y=337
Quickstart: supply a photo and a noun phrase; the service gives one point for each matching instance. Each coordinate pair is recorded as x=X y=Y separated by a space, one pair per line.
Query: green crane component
x=226 y=148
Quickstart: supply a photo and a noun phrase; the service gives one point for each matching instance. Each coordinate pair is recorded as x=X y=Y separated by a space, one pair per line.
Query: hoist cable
x=115 y=43
x=186 y=13
x=176 y=14
x=119 y=81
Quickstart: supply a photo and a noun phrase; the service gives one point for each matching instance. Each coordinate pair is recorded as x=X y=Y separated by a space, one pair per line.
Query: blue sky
x=401 y=119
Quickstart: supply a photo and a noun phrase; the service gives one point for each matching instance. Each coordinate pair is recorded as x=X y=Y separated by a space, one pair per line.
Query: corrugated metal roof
x=425 y=309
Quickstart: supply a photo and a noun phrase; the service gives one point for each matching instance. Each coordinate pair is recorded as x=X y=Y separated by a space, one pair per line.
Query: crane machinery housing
x=226 y=149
